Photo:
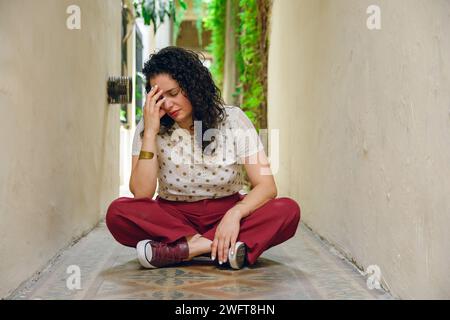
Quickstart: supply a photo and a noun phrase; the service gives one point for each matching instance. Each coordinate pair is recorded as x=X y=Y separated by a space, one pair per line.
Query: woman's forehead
x=164 y=81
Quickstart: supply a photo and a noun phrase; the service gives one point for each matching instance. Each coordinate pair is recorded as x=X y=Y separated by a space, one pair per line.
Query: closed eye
x=174 y=92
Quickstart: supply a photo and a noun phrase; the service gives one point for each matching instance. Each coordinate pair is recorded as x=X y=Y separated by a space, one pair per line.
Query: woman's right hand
x=153 y=112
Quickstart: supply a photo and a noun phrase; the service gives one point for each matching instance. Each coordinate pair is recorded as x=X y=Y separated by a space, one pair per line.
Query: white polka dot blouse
x=188 y=173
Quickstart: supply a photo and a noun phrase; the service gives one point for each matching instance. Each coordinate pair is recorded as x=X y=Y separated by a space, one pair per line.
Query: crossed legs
x=131 y=220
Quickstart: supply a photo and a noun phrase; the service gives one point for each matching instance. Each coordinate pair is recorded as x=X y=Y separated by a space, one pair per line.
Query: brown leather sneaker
x=154 y=254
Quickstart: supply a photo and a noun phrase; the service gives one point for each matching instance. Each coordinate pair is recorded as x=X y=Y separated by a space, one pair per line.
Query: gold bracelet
x=146 y=155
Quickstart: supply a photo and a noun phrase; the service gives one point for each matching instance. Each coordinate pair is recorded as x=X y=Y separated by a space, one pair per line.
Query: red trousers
x=130 y=220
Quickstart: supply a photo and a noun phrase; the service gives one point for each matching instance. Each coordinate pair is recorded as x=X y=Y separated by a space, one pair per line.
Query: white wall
x=59 y=143
x=365 y=132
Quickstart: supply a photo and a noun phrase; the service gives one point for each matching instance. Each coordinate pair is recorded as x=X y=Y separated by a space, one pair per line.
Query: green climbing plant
x=250 y=20
x=216 y=22
x=253 y=47
x=139 y=94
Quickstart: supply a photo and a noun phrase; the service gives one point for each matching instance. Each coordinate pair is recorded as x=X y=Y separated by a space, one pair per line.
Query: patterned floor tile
x=301 y=268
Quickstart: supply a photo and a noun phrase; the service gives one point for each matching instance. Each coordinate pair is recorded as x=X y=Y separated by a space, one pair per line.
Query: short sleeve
x=247 y=139
x=137 y=140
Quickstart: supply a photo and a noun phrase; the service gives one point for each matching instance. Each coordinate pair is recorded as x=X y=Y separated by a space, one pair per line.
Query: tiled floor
x=301 y=268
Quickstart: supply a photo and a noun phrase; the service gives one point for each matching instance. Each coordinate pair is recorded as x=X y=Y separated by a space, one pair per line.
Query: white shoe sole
x=143 y=257
x=237 y=260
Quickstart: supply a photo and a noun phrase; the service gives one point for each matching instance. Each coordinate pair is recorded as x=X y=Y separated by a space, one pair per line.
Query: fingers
x=147 y=101
x=221 y=245
x=160 y=102
x=217 y=249
x=224 y=242
x=152 y=111
x=214 y=248
x=233 y=244
x=153 y=90
x=226 y=247
x=153 y=96
x=154 y=99
x=150 y=95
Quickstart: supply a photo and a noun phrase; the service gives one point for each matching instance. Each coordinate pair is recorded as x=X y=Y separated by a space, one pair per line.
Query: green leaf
x=182 y=4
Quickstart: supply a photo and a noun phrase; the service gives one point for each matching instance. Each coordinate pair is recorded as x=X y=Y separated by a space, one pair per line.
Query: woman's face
x=176 y=105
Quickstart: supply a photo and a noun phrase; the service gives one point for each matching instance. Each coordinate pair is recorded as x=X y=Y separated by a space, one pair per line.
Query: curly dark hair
x=195 y=81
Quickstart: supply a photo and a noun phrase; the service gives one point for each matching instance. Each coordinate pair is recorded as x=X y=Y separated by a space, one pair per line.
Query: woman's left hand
x=226 y=234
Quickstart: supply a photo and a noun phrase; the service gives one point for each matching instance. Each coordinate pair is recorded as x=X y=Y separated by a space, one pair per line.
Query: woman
x=196 y=149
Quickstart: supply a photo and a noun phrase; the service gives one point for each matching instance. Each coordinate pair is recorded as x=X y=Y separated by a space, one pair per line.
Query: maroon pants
x=130 y=220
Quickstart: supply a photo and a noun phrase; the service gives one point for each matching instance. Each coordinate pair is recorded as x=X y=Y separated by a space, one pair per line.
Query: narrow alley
x=338 y=107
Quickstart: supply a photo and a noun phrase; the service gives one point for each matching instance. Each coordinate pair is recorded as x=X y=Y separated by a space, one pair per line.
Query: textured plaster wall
x=59 y=141
x=365 y=132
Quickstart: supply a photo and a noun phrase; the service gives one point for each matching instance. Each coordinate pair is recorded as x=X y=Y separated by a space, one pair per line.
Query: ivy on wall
x=251 y=28
x=253 y=45
x=216 y=22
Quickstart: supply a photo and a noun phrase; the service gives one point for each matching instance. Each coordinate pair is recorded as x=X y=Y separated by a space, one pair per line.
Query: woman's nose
x=168 y=104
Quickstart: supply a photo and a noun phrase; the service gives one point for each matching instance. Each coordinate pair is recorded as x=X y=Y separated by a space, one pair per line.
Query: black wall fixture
x=120 y=90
